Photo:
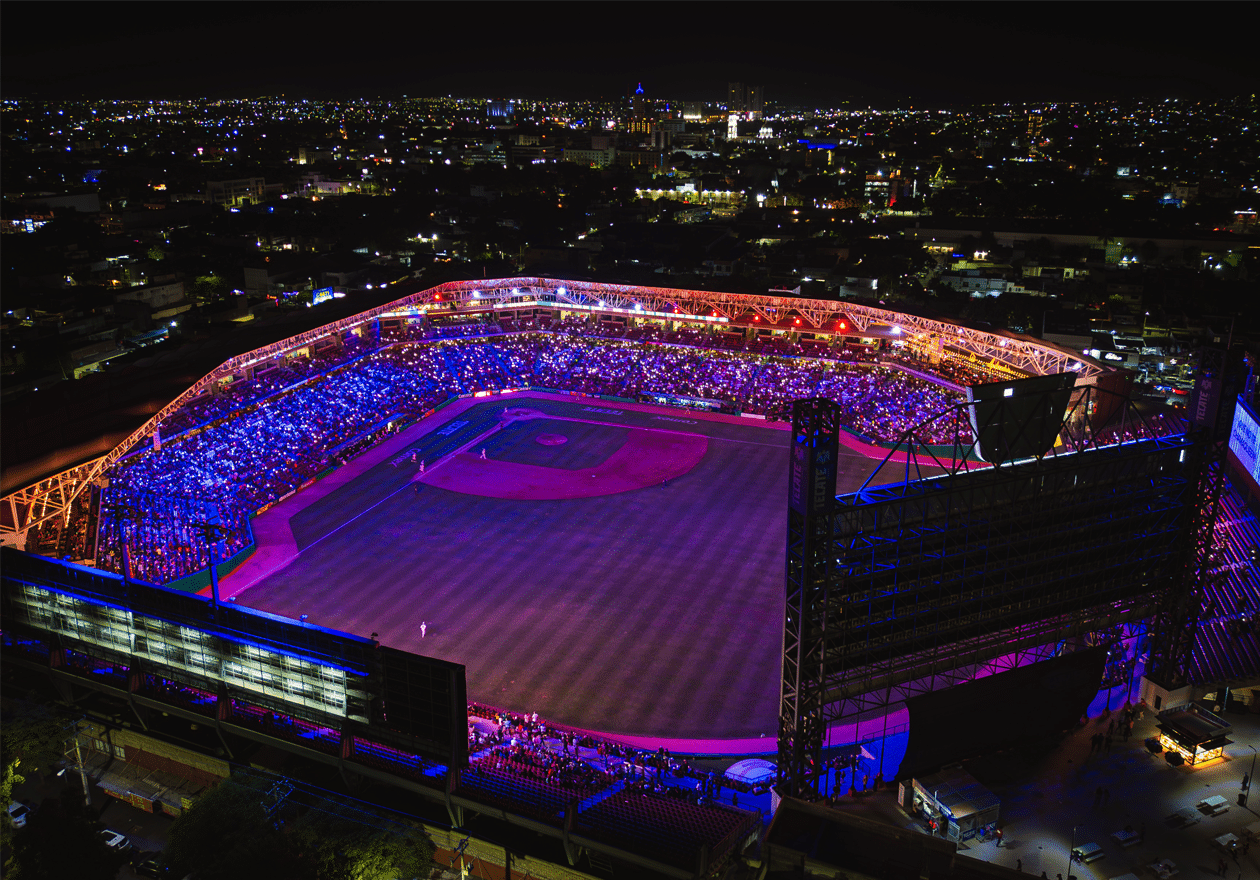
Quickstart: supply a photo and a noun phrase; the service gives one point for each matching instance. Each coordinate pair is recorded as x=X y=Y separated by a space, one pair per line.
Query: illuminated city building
x=639 y=120
x=748 y=102
x=500 y=112
x=243 y=191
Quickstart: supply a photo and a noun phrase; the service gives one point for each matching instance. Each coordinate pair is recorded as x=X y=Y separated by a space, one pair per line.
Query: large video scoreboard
x=1244 y=453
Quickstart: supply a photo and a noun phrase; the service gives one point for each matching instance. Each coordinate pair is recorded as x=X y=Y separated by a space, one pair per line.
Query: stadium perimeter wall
x=200 y=580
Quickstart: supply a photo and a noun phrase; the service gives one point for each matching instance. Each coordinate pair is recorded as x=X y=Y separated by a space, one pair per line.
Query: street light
x=1072 y=852
x=1252 y=775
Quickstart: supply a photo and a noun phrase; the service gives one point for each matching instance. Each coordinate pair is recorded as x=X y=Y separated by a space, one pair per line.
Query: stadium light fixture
x=560 y=291
x=476 y=295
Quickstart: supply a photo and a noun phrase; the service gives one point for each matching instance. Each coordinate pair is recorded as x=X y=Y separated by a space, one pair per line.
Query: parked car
x=115 y=841
x=150 y=865
x=18 y=813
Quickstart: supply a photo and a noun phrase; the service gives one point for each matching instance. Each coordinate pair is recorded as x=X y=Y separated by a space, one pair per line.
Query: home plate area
x=537 y=456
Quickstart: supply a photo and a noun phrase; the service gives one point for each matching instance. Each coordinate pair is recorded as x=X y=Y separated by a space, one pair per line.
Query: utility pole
x=78 y=761
x=274 y=799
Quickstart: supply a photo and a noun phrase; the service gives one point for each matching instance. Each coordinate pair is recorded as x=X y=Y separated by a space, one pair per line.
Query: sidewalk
x=1047 y=797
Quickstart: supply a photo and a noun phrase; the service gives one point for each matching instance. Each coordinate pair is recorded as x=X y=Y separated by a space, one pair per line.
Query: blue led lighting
x=222 y=634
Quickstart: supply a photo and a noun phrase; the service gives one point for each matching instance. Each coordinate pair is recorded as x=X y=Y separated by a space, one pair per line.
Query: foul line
x=302 y=550
x=657 y=430
x=414 y=479
x=749 y=442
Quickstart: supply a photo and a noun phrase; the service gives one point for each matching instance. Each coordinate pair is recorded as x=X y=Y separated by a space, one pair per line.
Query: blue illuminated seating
x=265 y=436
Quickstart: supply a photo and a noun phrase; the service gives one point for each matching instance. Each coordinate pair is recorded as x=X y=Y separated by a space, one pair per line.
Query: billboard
x=425 y=699
x=812 y=476
x=1020 y=418
x=1209 y=401
x=944 y=571
x=321 y=295
x=1205 y=402
x=1244 y=452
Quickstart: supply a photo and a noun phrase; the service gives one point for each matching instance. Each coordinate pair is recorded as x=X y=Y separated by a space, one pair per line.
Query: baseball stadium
x=569 y=497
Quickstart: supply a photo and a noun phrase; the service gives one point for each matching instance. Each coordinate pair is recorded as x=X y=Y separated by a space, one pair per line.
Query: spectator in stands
x=241 y=446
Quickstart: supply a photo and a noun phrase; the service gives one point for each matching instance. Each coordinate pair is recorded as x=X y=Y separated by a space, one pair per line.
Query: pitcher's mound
x=648 y=458
x=551 y=439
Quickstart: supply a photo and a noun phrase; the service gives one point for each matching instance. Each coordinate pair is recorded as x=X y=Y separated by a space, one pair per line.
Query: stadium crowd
x=535 y=749
x=247 y=443
x=162 y=537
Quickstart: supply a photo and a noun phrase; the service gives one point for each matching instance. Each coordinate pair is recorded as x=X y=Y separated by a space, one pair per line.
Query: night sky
x=886 y=54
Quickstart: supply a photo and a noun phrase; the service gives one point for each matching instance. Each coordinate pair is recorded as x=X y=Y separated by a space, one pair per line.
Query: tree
x=32 y=738
x=341 y=842
x=61 y=840
x=228 y=833
x=208 y=288
x=1073 y=253
x=1040 y=249
x=243 y=828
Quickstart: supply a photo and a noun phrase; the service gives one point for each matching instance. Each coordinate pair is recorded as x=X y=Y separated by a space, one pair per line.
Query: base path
x=648 y=458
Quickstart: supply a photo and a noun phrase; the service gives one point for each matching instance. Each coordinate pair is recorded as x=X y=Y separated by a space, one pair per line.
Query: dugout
x=953 y=803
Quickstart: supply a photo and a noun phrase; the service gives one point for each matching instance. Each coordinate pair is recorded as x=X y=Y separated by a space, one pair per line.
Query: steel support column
x=1176 y=622
x=810 y=570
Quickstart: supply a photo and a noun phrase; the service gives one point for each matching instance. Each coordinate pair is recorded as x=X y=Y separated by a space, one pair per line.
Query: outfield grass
x=656 y=611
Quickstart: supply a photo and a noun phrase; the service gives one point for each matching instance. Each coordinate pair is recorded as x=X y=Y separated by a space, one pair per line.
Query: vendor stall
x=954 y=804
x=1195 y=733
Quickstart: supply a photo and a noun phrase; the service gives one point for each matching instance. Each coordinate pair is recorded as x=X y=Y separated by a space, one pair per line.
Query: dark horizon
x=885 y=55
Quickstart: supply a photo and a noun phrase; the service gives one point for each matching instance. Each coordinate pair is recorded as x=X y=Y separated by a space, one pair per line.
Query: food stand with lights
x=1195 y=733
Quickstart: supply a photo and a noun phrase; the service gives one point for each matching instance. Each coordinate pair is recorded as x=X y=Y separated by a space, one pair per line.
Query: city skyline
x=801 y=53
